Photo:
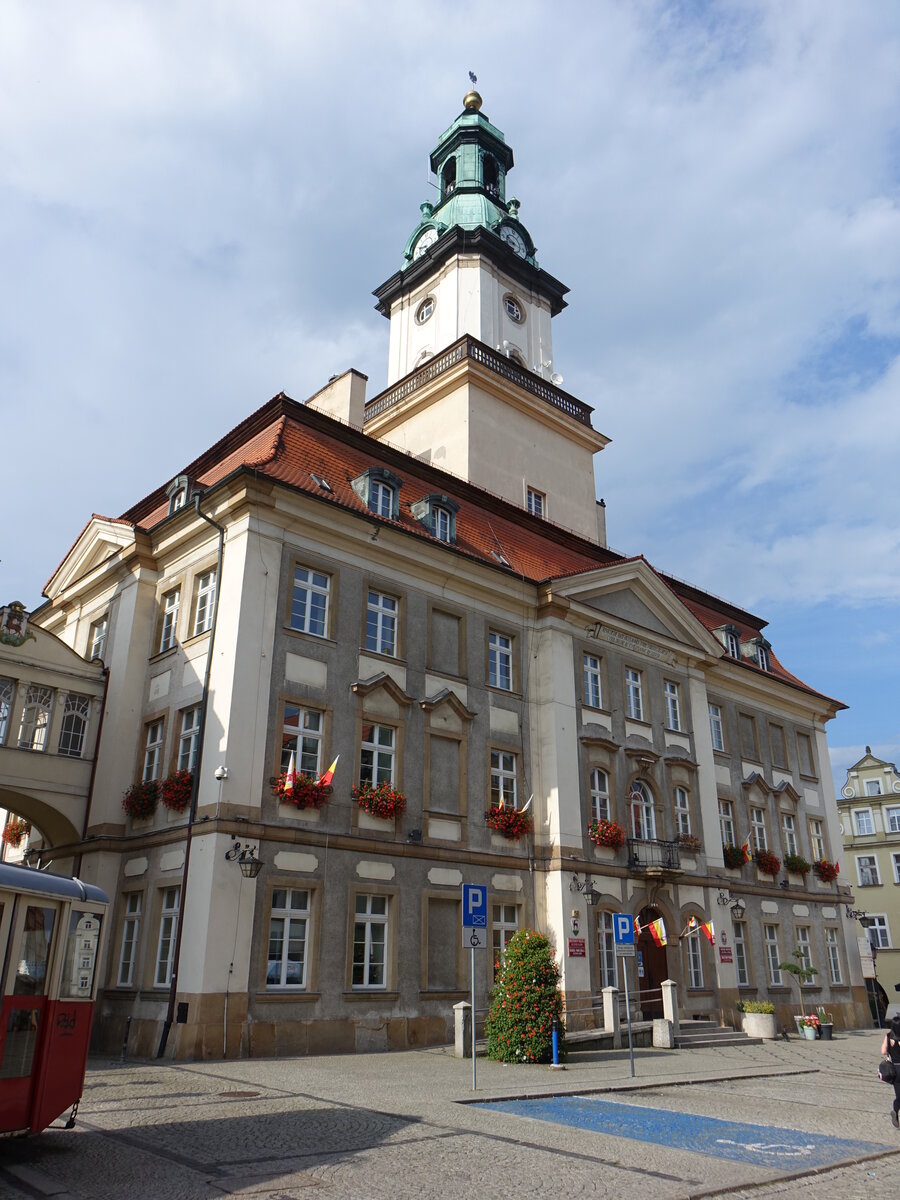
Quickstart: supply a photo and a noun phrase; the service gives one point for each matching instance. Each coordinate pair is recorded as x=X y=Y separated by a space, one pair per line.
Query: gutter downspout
x=195 y=787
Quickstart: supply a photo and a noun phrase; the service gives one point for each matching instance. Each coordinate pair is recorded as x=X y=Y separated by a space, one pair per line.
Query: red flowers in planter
x=509 y=821
x=606 y=833
x=383 y=800
x=768 y=863
x=796 y=864
x=175 y=792
x=16 y=830
x=305 y=793
x=140 y=799
x=826 y=871
x=734 y=857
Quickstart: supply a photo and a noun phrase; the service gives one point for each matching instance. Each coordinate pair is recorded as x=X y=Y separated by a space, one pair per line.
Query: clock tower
x=472 y=385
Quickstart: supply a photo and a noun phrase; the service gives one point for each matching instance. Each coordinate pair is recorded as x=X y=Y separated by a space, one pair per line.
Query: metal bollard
x=555 y=1042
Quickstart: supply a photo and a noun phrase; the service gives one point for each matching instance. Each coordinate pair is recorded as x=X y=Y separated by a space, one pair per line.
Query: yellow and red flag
x=658 y=931
x=710 y=933
x=290 y=776
x=325 y=780
x=745 y=849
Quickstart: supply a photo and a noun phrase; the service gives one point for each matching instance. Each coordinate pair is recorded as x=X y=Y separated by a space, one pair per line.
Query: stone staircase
x=694 y=1035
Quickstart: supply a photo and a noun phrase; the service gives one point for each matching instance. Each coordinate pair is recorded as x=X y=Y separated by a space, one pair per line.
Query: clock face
x=428 y=238
x=513 y=239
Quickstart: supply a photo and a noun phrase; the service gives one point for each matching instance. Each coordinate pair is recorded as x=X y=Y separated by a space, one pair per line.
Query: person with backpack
x=891 y=1047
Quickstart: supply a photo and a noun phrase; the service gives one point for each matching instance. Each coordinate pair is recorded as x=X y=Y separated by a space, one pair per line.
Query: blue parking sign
x=623 y=929
x=474 y=906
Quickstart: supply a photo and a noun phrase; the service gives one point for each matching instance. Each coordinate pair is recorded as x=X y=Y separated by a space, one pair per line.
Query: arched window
x=491 y=176
x=599 y=794
x=448 y=177
x=643 y=816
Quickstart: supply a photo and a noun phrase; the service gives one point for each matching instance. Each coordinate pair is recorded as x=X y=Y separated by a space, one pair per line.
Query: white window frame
x=868 y=876
x=606 y=950
x=381 y=498
x=891 y=818
x=168 y=932
x=599 y=785
x=671 y=692
x=716 y=728
x=310 y=601
x=741 y=960
x=789 y=834
x=205 y=603
x=7 y=696
x=634 y=696
x=593 y=681
x=879 y=925
x=171 y=602
x=643 y=812
x=682 y=811
x=504 y=926
x=833 y=953
x=500 y=660
x=895 y=862
x=504 y=778
x=536 y=502
x=304 y=738
x=153 y=744
x=863 y=816
x=289 y=915
x=817 y=838
x=73 y=731
x=758 y=832
x=377 y=755
x=36 y=714
x=726 y=822
x=442 y=522
x=97 y=637
x=773 y=954
x=695 y=962
x=189 y=738
x=382 y=612
x=804 y=946
x=131 y=928
x=873 y=787
x=762 y=657
x=733 y=645
x=365 y=973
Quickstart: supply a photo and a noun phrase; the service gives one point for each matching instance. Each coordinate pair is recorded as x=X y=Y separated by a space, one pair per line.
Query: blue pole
x=555 y=1042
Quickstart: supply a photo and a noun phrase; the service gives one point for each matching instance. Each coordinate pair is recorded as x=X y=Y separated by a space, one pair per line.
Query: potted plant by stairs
x=758 y=1018
x=803 y=974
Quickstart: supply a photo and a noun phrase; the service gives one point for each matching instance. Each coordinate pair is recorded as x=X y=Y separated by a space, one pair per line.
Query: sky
x=196 y=201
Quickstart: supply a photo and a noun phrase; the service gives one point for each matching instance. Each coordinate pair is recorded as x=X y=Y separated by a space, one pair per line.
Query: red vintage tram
x=50 y=934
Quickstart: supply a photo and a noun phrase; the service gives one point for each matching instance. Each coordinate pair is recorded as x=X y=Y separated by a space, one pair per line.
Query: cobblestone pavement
x=402 y=1125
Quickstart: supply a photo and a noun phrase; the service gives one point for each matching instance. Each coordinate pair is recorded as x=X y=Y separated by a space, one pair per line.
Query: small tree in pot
x=801 y=972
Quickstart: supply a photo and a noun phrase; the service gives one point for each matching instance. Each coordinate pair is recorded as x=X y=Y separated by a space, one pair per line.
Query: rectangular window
x=169 y=621
x=762 y=656
x=499 y=660
x=593 y=690
x=758 y=829
x=189 y=738
x=715 y=727
x=152 y=751
x=733 y=645
x=35 y=718
x=695 y=962
x=788 y=834
x=673 y=705
x=376 y=760
x=443 y=525
x=892 y=819
x=749 y=742
x=777 y=746
x=805 y=755
x=381 y=498
x=370 y=938
x=288 y=935
x=873 y=787
x=895 y=860
x=381 y=624
x=834 y=956
x=682 y=812
x=803 y=947
x=726 y=822
x=503 y=778
x=504 y=925
x=773 y=958
x=97 y=637
x=204 y=602
x=74 y=725
x=599 y=794
x=168 y=927
x=309 y=602
x=878 y=932
x=606 y=946
x=634 y=701
x=817 y=839
x=302 y=736
x=863 y=825
x=7 y=691
x=867 y=870
x=537 y=502
x=130 y=932
x=740 y=954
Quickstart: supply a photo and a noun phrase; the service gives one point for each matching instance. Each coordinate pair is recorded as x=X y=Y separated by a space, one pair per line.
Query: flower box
x=796 y=864
x=140 y=799
x=768 y=863
x=606 y=833
x=825 y=870
x=306 y=792
x=733 y=857
x=689 y=843
x=175 y=792
x=508 y=821
x=383 y=800
x=16 y=831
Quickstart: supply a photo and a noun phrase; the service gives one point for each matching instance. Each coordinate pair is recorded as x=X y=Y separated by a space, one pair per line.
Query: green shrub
x=756 y=1006
x=524 y=1002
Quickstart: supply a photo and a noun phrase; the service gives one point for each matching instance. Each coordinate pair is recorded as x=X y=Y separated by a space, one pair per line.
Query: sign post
x=623 y=930
x=474 y=935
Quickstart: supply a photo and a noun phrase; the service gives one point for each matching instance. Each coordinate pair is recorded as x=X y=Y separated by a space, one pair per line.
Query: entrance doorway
x=653 y=967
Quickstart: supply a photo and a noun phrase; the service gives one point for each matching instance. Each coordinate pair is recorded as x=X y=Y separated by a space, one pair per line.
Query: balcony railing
x=469 y=347
x=653 y=855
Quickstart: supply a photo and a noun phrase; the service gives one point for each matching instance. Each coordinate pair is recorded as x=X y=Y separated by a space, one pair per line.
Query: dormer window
x=437 y=513
x=379 y=490
x=177 y=492
x=448 y=177
x=761 y=653
x=730 y=637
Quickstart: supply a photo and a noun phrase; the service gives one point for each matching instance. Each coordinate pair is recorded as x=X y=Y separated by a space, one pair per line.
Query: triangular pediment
x=100 y=540
x=632 y=594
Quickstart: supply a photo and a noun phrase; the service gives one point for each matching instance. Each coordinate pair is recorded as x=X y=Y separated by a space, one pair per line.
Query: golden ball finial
x=472 y=101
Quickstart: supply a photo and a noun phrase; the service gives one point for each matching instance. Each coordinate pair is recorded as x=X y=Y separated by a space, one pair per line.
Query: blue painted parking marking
x=762 y=1145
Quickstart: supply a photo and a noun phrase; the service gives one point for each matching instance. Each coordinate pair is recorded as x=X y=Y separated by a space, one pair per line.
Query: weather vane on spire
x=473 y=77
x=471 y=100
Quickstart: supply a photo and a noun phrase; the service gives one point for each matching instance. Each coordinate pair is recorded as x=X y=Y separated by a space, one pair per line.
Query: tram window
x=34 y=954
x=80 y=962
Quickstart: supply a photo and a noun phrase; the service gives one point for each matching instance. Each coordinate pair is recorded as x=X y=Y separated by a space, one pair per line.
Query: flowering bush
x=509 y=822
x=768 y=863
x=606 y=833
x=306 y=792
x=16 y=830
x=734 y=857
x=796 y=863
x=825 y=870
x=140 y=799
x=524 y=1002
x=382 y=800
x=687 y=841
x=175 y=792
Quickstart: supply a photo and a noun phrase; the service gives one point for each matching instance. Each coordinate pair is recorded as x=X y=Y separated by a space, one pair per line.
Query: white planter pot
x=759 y=1025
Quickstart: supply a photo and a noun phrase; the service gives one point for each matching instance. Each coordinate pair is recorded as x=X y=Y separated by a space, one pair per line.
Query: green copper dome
x=471 y=161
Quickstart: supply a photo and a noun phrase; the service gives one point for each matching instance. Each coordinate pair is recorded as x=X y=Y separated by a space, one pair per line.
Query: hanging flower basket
x=15 y=831
x=606 y=833
x=140 y=799
x=175 y=792
x=797 y=864
x=826 y=871
x=768 y=863
x=733 y=856
x=687 y=841
x=383 y=800
x=306 y=792
x=512 y=824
